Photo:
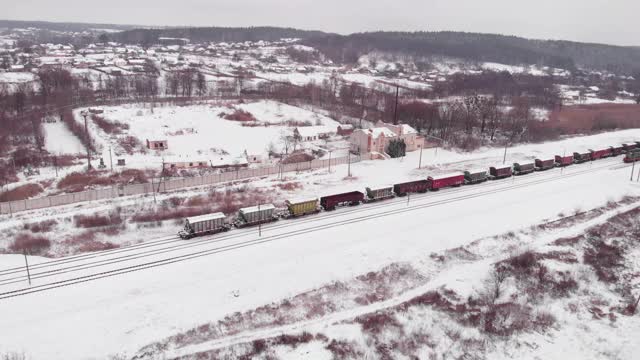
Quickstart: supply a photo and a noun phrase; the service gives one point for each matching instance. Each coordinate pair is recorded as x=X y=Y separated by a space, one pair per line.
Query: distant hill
x=62 y=26
x=482 y=47
x=215 y=34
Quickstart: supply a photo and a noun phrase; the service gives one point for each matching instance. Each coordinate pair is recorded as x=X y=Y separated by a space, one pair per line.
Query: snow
x=197 y=219
x=59 y=139
x=445 y=176
x=257 y=208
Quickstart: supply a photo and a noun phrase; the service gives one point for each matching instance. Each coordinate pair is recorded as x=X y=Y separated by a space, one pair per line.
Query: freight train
x=265 y=213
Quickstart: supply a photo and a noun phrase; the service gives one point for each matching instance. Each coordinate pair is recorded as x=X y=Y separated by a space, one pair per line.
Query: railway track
x=416 y=205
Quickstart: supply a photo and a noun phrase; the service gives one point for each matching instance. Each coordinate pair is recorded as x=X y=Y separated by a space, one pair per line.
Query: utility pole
x=349 y=166
x=329 y=161
x=260 y=223
x=24 y=252
x=395 y=112
x=153 y=188
x=55 y=164
x=633 y=167
x=504 y=159
x=110 y=159
x=420 y=161
x=86 y=140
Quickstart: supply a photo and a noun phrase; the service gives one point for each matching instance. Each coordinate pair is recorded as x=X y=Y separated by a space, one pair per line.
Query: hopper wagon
x=442 y=181
x=352 y=198
x=301 y=207
x=564 y=160
x=418 y=186
x=632 y=156
x=629 y=147
x=543 y=164
x=500 y=172
x=475 y=176
x=617 y=150
x=601 y=153
x=256 y=215
x=523 y=168
x=203 y=225
x=582 y=157
x=379 y=193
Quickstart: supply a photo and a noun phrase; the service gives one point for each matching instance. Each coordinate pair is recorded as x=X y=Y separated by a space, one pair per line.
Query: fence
x=168 y=185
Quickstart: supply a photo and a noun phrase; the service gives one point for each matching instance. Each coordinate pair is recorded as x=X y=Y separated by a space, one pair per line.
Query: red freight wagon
x=564 y=160
x=500 y=171
x=351 y=198
x=599 y=154
x=419 y=186
x=545 y=164
x=441 y=181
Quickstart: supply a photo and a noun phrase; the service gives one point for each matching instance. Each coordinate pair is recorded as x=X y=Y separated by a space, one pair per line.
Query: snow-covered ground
x=59 y=140
x=131 y=310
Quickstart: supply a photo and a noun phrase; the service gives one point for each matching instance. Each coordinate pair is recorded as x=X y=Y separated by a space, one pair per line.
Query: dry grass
x=21 y=192
x=33 y=245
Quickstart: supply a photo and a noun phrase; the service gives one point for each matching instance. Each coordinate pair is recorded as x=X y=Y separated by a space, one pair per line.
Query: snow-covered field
x=243 y=270
x=59 y=140
x=200 y=131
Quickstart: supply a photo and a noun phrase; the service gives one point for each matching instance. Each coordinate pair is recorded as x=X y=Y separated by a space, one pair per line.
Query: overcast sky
x=603 y=21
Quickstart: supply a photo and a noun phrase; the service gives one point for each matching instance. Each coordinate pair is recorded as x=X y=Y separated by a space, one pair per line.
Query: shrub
x=95 y=220
x=604 y=258
x=110 y=127
x=131 y=144
x=30 y=244
x=42 y=226
x=375 y=323
x=240 y=115
x=21 y=192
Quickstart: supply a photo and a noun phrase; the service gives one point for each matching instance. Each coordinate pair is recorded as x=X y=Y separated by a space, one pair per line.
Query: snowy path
x=131 y=310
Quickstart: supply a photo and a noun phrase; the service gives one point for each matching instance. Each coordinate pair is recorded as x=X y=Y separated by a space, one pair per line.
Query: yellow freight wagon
x=300 y=207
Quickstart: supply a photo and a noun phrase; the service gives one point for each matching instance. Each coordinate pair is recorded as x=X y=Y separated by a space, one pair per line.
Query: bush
x=396 y=148
x=604 y=258
x=240 y=115
x=375 y=323
x=34 y=245
x=110 y=127
x=21 y=192
x=95 y=220
x=42 y=226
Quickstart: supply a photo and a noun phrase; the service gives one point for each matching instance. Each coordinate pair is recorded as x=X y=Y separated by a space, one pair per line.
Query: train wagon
x=632 y=156
x=203 y=225
x=350 y=198
x=418 y=186
x=629 y=147
x=301 y=207
x=475 y=176
x=600 y=153
x=500 y=172
x=582 y=157
x=446 y=180
x=617 y=150
x=524 y=167
x=543 y=164
x=565 y=160
x=379 y=193
x=255 y=215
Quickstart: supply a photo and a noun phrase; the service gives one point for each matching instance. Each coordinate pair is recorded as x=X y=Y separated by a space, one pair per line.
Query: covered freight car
x=418 y=186
x=301 y=207
x=475 y=176
x=203 y=225
x=524 y=167
x=500 y=172
x=441 y=181
x=564 y=160
x=350 y=198
x=632 y=156
x=255 y=215
x=582 y=157
x=543 y=164
x=378 y=193
x=629 y=147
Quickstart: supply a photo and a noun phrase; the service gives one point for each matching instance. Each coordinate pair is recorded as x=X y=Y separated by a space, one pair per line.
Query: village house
x=376 y=140
x=157 y=144
x=312 y=133
x=345 y=130
x=407 y=133
x=185 y=164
